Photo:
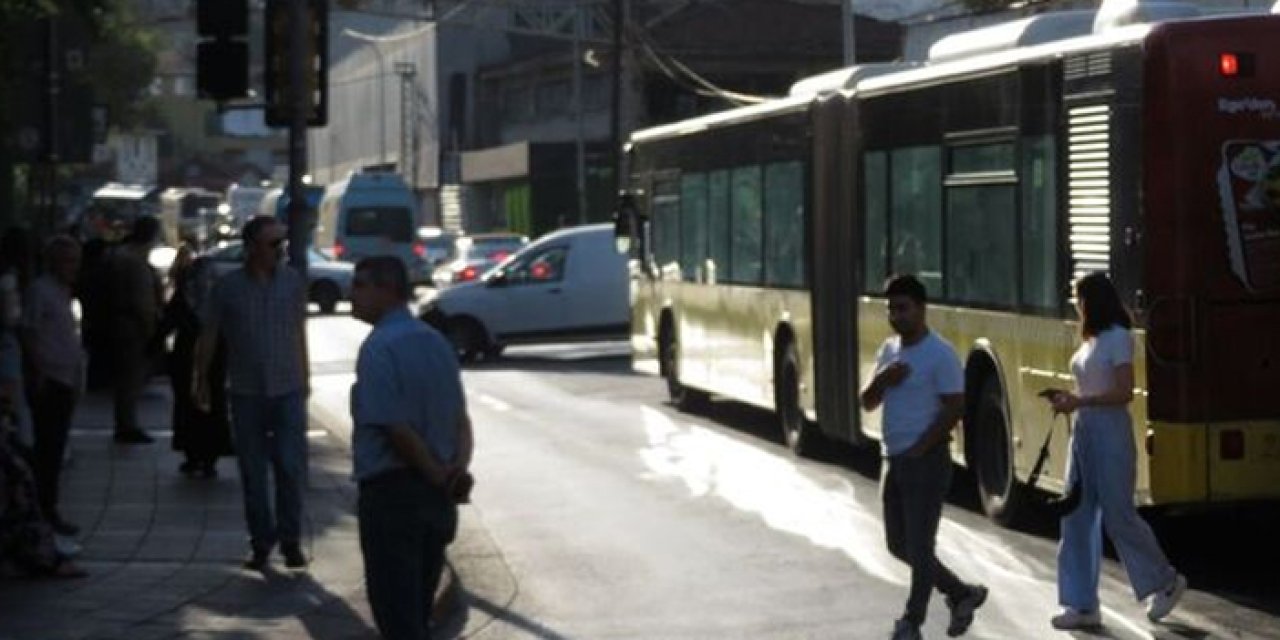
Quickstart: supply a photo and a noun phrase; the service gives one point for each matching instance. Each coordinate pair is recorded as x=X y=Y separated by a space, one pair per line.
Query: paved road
x=602 y=512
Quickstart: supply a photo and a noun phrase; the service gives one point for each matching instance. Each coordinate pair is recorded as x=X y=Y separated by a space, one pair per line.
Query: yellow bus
x=1016 y=159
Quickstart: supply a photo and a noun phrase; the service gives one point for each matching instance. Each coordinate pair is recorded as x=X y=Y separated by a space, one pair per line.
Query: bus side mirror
x=626 y=225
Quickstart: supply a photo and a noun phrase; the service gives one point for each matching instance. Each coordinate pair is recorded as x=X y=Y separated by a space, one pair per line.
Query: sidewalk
x=164 y=551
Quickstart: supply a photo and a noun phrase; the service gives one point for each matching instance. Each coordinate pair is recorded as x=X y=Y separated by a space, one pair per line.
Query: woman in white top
x=1103 y=453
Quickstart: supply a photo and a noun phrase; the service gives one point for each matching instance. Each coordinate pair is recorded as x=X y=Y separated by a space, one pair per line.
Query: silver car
x=330 y=279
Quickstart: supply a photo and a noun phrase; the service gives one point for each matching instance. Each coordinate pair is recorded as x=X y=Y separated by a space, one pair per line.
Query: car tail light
x=1231 y=444
x=468 y=274
x=498 y=256
x=419 y=249
x=339 y=250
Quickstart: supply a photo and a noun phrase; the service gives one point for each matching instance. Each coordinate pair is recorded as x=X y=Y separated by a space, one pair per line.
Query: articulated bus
x=1013 y=161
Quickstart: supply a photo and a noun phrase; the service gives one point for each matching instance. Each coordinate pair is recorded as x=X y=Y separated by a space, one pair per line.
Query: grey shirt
x=262 y=322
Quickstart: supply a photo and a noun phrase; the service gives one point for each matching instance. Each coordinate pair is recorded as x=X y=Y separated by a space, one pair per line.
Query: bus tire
x=1003 y=497
x=467 y=337
x=801 y=436
x=682 y=397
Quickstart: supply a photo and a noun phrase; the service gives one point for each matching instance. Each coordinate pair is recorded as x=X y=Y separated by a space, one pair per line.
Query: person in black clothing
x=202 y=436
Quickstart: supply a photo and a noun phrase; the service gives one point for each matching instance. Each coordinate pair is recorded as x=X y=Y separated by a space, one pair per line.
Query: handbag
x=1061 y=506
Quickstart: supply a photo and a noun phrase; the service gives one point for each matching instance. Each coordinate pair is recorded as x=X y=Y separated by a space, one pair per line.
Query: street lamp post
x=382 y=93
x=408 y=121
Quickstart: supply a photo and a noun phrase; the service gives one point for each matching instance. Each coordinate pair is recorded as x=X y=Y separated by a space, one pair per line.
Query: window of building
x=748 y=226
x=784 y=224
x=915 y=189
x=554 y=97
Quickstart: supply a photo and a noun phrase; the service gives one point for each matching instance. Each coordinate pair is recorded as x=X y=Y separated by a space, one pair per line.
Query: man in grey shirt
x=261 y=312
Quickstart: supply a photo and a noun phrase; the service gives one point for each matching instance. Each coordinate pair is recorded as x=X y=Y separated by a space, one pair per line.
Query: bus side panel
x=833 y=269
x=1214 y=259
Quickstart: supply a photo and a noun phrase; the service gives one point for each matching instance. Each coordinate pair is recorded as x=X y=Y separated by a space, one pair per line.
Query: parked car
x=476 y=254
x=330 y=280
x=566 y=286
x=439 y=246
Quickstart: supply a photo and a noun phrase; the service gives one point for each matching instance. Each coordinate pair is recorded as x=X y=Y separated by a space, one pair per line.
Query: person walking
x=133 y=319
x=260 y=311
x=920 y=383
x=411 y=450
x=56 y=369
x=1103 y=460
x=202 y=436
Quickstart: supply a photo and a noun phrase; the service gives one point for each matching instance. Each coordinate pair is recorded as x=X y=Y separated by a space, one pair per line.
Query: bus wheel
x=467 y=337
x=1003 y=497
x=798 y=433
x=684 y=398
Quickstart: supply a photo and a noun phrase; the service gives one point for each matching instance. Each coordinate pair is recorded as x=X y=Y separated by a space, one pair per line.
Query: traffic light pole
x=299 y=105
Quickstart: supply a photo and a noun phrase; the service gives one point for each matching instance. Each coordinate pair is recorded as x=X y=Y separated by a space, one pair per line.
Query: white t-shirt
x=912 y=406
x=1094 y=364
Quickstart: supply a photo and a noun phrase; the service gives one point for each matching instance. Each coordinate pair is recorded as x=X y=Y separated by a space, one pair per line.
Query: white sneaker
x=67 y=547
x=1071 y=619
x=1166 y=599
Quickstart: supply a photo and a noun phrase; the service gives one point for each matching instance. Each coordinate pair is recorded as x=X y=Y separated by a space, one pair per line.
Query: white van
x=372 y=213
x=567 y=285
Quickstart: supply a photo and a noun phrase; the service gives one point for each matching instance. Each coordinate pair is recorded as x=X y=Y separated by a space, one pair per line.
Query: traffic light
x=222 y=55
x=315 y=51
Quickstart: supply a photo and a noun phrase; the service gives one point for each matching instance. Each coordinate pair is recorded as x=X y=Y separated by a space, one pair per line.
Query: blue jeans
x=1103 y=460
x=405 y=525
x=271 y=431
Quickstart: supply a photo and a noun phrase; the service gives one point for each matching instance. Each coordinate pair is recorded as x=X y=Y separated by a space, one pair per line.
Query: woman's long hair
x=1100 y=304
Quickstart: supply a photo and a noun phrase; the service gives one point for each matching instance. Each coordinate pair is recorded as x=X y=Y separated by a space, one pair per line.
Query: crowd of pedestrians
x=240 y=374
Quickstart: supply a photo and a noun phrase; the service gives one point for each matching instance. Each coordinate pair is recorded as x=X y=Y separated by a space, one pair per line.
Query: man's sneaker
x=1071 y=619
x=904 y=629
x=257 y=559
x=962 y=609
x=293 y=556
x=1166 y=599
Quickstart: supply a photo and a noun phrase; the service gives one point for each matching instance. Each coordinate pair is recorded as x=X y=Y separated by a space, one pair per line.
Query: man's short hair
x=253 y=228
x=146 y=230
x=386 y=271
x=906 y=285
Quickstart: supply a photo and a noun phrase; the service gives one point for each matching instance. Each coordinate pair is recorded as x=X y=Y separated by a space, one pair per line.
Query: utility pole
x=299 y=101
x=850 y=34
x=580 y=161
x=615 y=105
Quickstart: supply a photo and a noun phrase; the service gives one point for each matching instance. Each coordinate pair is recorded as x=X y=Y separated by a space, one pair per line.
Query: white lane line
x=492 y=402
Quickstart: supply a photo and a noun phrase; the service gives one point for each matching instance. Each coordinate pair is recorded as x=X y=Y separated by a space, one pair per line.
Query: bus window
x=666 y=224
x=718 y=227
x=748 y=226
x=1040 y=289
x=876 y=219
x=981 y=245
x=916 y=199
x=693 y=220
x=393 y=223
x=784 y=224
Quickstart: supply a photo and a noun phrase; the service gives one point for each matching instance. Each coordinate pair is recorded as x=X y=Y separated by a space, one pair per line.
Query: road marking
x=492 y=402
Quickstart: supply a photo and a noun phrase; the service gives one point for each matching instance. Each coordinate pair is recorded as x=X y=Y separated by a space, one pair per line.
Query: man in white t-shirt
x=920 y=383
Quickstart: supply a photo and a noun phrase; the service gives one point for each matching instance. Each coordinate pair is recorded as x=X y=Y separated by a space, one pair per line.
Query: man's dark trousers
x=52 y=407
x=405 y=525
x=913 y=490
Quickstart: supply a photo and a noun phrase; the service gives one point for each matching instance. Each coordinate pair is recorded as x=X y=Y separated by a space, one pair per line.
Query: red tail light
x=498 y=256
x=419 y=249
x=338 y=250
x=1231 y=444
x=468 y=274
